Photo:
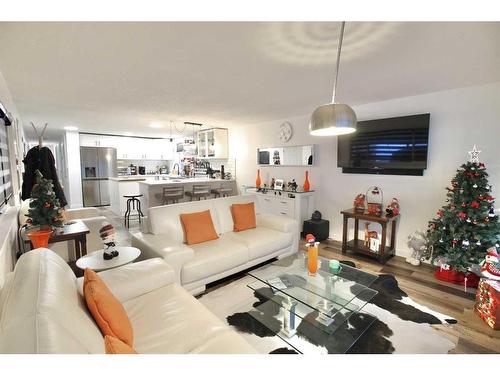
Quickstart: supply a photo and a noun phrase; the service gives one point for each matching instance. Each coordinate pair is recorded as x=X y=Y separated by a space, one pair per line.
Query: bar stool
x=199 y=191
x=222 y=191
x=133 y=204
x=172 y=193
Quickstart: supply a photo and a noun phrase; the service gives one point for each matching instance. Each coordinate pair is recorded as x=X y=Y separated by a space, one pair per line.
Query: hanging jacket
x=43 y=160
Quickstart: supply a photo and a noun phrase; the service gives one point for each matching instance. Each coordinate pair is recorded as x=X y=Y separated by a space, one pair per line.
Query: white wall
x=72 y=176
x=459 y=119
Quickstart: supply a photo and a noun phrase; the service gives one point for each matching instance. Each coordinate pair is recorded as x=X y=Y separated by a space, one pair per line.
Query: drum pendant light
x=333 y=118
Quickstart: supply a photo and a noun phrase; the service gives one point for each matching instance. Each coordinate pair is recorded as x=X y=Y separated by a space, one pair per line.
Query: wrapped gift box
x=487 y=304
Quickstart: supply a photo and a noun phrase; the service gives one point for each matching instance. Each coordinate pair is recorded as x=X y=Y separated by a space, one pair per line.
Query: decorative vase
x=312 y=259
x=258 y=180
x=40 y=237
x=307 y=185
x=452 y=276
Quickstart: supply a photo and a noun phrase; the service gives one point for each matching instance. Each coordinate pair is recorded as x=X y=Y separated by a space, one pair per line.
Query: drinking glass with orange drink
x=312 y=254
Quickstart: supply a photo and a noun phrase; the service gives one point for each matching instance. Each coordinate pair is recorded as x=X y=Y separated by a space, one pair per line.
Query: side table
x=76 y=231
x=357 y=245
x=96 y=262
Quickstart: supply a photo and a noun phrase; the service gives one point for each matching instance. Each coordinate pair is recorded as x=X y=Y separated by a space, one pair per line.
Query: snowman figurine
x=108 y=235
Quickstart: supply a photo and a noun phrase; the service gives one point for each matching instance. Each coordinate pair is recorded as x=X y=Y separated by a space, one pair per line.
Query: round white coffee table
x=96 y=262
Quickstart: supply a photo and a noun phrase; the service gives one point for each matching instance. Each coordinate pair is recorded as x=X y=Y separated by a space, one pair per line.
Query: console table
x=356 y=245
x=296 y=205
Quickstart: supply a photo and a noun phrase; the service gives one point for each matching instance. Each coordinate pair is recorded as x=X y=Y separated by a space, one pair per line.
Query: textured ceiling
x=121 y=77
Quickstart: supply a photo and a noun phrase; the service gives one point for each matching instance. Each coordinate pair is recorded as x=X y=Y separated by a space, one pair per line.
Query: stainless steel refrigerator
x=98 y=164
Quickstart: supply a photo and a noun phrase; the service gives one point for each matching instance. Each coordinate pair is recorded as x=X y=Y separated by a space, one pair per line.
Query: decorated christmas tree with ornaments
x=44 y=208
x=467 y=226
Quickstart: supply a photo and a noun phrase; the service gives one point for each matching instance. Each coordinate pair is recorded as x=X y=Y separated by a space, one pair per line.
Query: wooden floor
x=471 y=334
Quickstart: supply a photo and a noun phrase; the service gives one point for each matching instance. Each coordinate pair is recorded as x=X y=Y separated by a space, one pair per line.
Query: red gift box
x=487 y=304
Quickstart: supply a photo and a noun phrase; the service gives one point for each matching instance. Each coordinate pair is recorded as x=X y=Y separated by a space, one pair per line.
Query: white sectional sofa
x=197 y=265
x=42 y=310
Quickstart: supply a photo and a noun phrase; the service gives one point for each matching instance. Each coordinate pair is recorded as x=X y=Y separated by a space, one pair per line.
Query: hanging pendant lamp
x=333 y=118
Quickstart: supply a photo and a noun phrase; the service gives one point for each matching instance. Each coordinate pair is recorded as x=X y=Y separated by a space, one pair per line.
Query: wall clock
x=286 y=131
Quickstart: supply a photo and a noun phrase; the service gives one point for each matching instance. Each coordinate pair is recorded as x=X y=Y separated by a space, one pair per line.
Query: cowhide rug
x=400 y=325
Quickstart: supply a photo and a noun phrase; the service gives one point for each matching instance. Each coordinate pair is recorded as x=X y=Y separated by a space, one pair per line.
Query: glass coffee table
x=323 y=309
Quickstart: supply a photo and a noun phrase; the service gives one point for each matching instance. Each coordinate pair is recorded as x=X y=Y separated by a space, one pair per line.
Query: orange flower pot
x=39 y=238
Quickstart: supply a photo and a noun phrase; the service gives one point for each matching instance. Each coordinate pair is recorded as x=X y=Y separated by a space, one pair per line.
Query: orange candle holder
x=312 y=259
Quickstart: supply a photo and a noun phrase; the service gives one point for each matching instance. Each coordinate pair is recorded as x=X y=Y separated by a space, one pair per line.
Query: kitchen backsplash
x=151 y=165
x=229 y=165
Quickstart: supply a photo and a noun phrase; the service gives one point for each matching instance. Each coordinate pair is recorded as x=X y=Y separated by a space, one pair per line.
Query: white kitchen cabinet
x=96 y=140
x=89 y=140
x=147 y=149
x=161 y=149
x=109 y=141
x=132 y=148
x=213 y=143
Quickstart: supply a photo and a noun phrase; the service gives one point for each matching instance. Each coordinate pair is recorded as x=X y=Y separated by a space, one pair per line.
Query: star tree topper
x=474 y=155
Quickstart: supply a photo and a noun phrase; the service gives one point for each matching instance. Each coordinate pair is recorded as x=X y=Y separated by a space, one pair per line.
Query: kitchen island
x=125 y=185
x=152 y=189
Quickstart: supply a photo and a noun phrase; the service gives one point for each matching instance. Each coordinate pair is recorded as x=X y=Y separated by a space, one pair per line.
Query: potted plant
x=44 y=213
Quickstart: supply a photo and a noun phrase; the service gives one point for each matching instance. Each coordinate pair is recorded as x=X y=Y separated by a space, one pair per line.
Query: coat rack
x=40 y=136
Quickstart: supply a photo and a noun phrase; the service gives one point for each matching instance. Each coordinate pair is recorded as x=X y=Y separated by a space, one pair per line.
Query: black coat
x=43 y=160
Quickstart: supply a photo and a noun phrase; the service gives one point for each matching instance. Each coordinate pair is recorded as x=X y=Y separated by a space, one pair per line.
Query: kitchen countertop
x=137 y=177
x=174 y=181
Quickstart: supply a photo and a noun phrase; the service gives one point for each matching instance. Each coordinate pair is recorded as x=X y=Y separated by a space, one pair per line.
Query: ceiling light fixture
x=333 y=118
x=70 y=128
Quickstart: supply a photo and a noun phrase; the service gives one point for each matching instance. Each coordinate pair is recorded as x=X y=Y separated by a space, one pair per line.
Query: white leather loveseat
x=42 y=310
x=197 y=265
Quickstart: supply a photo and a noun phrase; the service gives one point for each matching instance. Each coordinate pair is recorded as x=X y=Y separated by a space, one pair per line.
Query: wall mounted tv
x=396 y=145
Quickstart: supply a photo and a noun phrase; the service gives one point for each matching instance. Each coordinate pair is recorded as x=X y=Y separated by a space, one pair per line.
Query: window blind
x=5 y=175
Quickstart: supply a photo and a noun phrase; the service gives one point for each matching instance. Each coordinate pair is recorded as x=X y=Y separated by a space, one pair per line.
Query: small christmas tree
x=44 y=206
x=467 y=225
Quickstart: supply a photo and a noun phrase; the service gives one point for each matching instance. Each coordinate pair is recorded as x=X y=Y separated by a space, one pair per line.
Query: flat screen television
x=396 y=145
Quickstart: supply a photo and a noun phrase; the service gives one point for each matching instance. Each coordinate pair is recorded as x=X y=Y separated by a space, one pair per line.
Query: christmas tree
x=44 y=206
x=467 y=225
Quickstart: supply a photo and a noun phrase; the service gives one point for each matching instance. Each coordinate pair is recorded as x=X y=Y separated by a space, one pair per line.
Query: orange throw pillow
x=107 y=311
x=198 y=227
x=243 y=216
x=112 y=345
